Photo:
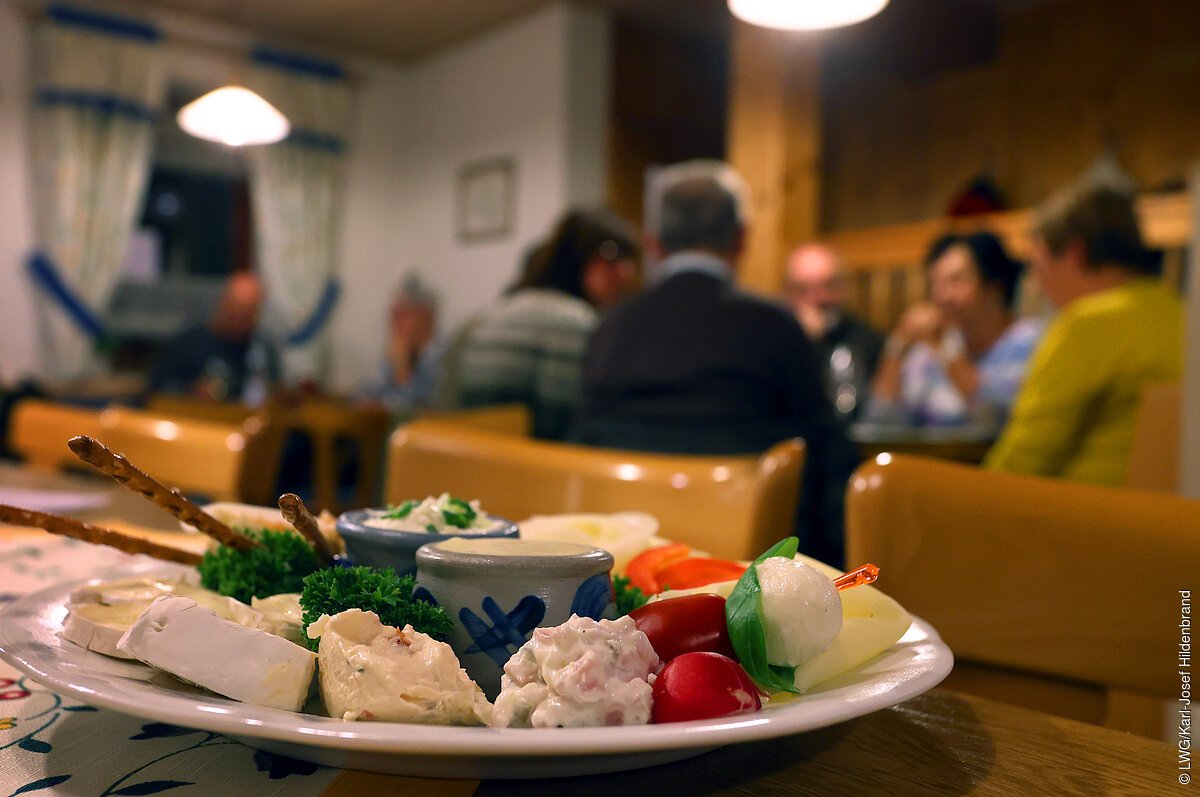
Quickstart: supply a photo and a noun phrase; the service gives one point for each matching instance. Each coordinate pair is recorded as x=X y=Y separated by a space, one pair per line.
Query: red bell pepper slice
x=642 y=570
x=698 y=572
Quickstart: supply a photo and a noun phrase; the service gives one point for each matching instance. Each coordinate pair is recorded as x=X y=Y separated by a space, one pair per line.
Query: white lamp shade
x=235 y=116
x=805 y=14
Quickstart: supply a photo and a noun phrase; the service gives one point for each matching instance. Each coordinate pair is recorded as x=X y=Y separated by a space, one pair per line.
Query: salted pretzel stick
x=295 y=512
x=98 y=456
x=69 y=527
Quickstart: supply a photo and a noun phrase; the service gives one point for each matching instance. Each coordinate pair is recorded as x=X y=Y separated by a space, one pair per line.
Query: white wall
x=507 y=94
x=18 y=349
x=535 y=90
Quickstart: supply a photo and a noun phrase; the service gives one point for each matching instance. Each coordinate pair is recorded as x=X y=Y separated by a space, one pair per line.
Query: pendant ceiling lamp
x=805 y=14
x=235 y=116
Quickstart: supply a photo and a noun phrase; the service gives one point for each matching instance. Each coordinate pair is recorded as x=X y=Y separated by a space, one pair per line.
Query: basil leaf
x=743 y=615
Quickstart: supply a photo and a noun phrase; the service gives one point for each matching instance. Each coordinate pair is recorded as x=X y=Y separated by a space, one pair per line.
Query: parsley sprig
x=335 y=589
x=278 y=565
x=626 y=596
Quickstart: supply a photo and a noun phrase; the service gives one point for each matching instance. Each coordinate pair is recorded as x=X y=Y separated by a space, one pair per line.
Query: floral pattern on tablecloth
x=52 y=745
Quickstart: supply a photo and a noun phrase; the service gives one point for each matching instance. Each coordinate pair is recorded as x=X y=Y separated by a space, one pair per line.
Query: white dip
x=442 y=515
x=372 y=671
x=579 y=674
x=802 y=611
x=506 y=546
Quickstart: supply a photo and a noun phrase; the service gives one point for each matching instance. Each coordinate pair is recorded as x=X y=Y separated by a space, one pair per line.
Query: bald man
x=224 y=358
x=849 y=348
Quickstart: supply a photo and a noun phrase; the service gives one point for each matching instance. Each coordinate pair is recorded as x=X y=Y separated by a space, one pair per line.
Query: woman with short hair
x=959 y=357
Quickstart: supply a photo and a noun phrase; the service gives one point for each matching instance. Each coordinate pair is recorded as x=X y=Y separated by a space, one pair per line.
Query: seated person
x=406 y=379
x=695 y=366
x=1118 y=329
x=528 y=347
x=223 y=359
x=960 y=357
x=848 y=347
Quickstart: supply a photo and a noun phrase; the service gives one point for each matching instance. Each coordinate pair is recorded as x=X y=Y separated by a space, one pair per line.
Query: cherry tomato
x=685 y=624
x=701 y=685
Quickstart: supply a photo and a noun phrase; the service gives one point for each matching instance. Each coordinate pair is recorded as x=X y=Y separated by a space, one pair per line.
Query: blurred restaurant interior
x=918 y=288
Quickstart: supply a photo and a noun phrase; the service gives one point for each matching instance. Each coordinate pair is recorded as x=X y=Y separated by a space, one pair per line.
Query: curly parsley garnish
x=333 y=590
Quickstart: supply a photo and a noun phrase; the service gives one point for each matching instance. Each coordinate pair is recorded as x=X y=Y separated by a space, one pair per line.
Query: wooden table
x=326 y=422
x=939 y=443
x=941 y=743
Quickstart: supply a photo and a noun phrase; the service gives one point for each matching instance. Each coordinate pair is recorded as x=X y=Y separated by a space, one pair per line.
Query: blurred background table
x=967 y=444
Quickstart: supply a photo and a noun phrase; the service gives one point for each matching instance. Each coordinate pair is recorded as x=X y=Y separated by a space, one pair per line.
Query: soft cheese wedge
x=181 y=637
x=99 y=614
x=98 y=627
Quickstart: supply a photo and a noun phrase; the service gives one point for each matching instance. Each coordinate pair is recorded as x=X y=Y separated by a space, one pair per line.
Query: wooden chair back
x=511 y=419
x=1154 y=456
x=728 y=506
x=39 y=431
x=884 y=263
x=221 y=461
x=1060 y=596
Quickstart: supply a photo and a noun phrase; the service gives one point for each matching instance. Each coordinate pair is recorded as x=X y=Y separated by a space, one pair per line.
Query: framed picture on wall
x=486 y=199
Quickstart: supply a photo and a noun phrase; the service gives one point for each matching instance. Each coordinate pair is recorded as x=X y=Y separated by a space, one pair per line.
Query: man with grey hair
x=695 y=366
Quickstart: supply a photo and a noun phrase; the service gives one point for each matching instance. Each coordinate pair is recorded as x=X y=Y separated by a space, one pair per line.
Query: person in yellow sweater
x=1118 y=329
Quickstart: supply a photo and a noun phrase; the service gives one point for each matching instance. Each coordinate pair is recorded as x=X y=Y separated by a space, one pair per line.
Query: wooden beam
x=774 y=141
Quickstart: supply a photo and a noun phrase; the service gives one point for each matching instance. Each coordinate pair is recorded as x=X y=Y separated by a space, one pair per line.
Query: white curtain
x=98 y=86
x=296 y=190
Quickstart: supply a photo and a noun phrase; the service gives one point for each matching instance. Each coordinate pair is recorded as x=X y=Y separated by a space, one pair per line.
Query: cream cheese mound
x=372 y=671
x=802 y=611
x=181 y=637
x=583 y=673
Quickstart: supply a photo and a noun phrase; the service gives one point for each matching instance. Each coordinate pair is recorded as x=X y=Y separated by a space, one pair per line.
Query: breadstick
x=98 y=456
x=296 y=513
x=69 y=527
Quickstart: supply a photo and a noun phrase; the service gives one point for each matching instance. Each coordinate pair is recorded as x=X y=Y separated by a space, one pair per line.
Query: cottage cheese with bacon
x=579 y=674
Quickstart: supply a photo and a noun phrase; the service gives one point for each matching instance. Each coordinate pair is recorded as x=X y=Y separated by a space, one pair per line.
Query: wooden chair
x=1055 y=596
x=39 y=431
x=512 y=419
x=728 y=506
x=1154 y=456
x=221 y=461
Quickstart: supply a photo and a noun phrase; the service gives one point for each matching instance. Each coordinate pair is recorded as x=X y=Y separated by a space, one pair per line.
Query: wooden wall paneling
x=774 y=142
x=1067 y=80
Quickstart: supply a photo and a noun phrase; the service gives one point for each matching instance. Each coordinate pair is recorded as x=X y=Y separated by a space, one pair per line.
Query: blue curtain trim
x=319 y=317
x=96 y=101
x=314 y=139
x=104 y=23
x=298 y=63
x=46 y=277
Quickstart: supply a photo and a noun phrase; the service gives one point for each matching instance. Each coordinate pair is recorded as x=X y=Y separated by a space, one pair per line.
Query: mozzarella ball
x=801 y=609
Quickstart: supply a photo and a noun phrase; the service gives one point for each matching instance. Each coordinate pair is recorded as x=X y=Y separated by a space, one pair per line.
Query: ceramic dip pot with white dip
x=390 y=537
x=498 y=590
